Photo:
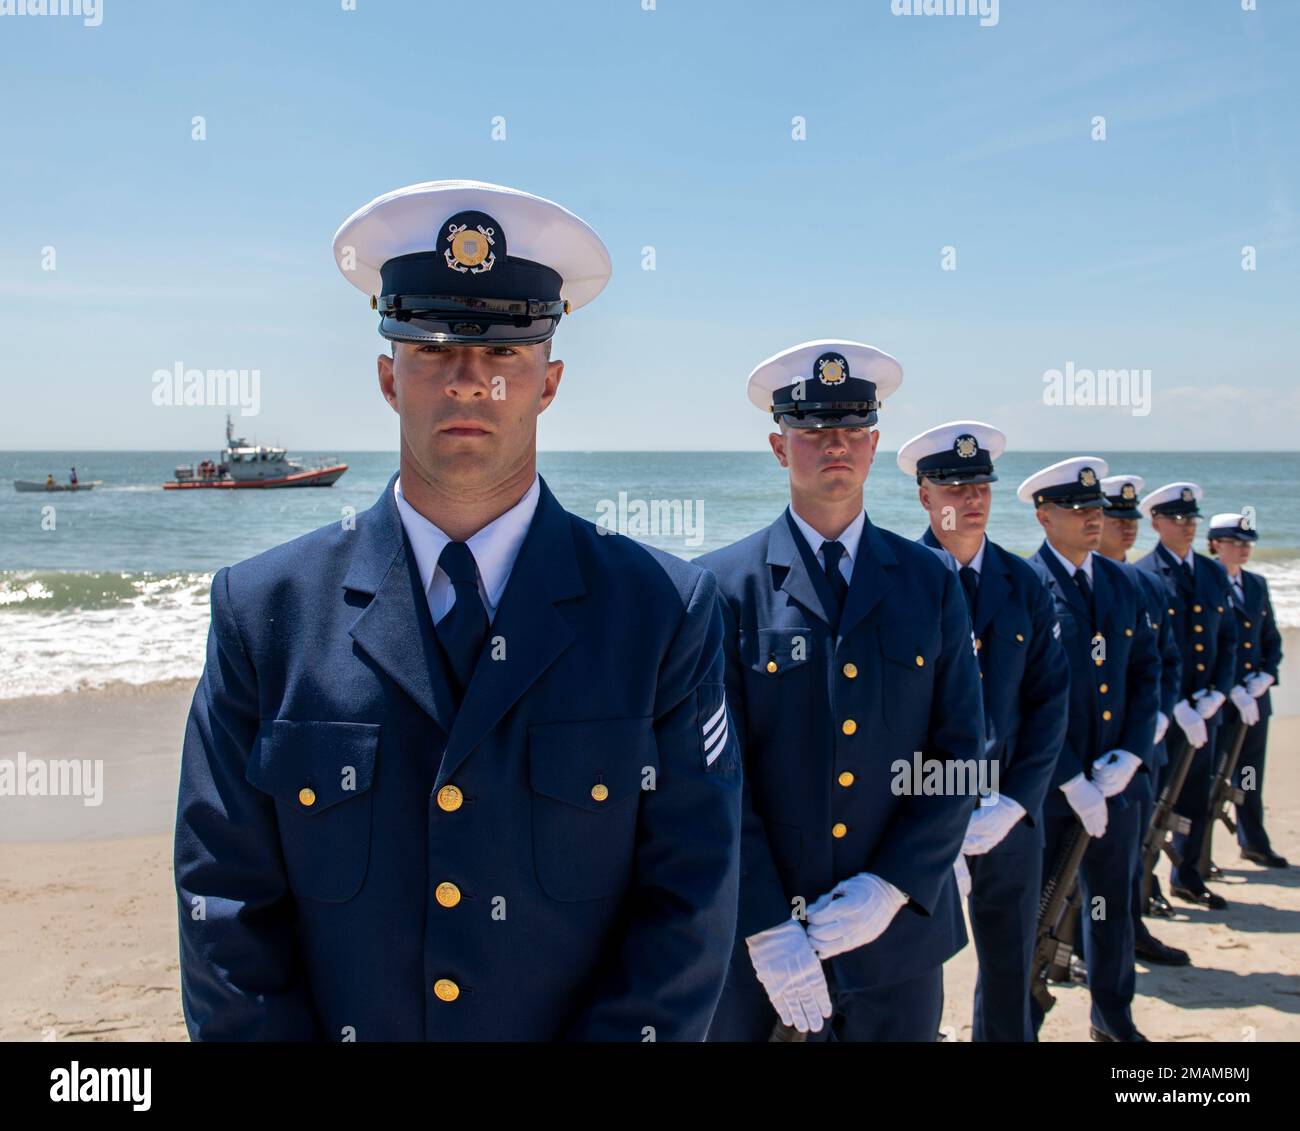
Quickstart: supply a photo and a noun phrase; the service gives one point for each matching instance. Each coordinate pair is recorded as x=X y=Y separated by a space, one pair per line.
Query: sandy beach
x=88 y=937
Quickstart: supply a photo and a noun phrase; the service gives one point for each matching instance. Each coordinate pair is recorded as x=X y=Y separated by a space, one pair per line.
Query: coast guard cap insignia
x=832 y=369
x=1088 y=477
x=1127 y=493
x=966 y=446
x=470 y=240
x=1187 y=495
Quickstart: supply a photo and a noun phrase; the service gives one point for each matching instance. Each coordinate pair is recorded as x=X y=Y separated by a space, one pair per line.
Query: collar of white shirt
x=1069 y=565
x=849 y=539
x=495 y=548
x=977 y=562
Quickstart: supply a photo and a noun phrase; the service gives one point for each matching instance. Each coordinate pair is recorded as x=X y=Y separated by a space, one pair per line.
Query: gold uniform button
x=1246 y=623
x=446 y=990
x=1021 y=637
x=1247 y=644
x=1196 y=608
x=849 y=727
x=1200 y=667
x=1171 y=612
x=1105 y=687
x=846 y=779
x=839 y=830
x=307 y=796
x=599 y=791
x=920 y=661
x=850 y=671
x=1197 y=628
x=447 y=894
x=978 y=644
x=771 y=665
x=1199 y=647
x=1099 y=661
x=1128 y=632
x=450 y=799
x=1249 y=665
x=1106 y=715
x=1219 y=607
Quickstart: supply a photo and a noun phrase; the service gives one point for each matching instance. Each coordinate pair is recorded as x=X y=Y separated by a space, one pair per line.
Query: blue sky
x=669 y=128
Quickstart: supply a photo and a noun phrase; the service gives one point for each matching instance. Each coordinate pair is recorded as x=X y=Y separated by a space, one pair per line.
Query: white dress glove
x=853 y=913
x=989 y=825
x=1210 y=702
x=1259 y=682
x=789 y=971
x=1246 y=706
x=1162 y=725
x=1089 y=803
x=1189 y=718
x=1112 y=772
x=962 y=873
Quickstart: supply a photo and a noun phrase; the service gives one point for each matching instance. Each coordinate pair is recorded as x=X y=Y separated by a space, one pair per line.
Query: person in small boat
x=49 y=482
x=73 y=478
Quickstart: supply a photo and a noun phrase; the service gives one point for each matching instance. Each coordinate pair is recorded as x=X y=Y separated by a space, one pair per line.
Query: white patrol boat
x=251 y=465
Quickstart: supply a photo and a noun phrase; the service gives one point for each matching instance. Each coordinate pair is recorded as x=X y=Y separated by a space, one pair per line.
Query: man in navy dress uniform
x=460 y=769
x=1114 y=680
x=1206 y=630
x=1026 y=683
x=1259 y=655
x=1118 y=533
x=853 y=682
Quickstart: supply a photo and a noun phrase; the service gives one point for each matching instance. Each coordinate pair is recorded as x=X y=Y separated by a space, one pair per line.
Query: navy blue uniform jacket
x=469 y=850
x=904 y=674
x=1259 y=642
x=1026 y=679
x=1114 y=670
x=1202 y=624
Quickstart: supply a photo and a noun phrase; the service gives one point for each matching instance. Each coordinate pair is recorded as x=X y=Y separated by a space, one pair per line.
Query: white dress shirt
x=495 y=548
x=1070 y=567
x=977 y=562
x=849 y=540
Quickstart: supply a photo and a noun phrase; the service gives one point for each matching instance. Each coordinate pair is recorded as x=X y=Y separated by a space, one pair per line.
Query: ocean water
x=111 y=585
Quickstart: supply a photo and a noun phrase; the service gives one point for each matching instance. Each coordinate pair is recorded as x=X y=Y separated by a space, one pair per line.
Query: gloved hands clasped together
x=787 y=959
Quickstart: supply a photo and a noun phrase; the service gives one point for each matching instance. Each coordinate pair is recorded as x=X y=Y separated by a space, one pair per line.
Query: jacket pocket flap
x=594 y=764
x=1011 y=630
x=785 y=648
x=312 y=766
x=906 y=642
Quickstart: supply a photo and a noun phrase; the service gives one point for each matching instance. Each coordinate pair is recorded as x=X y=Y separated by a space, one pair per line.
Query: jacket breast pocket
x=909 y=650
x=1012 y=638
x=320 y=775
x=587 y=779
x=774 y=652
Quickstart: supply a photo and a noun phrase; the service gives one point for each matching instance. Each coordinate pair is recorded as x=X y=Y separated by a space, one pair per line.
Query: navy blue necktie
x=970 y=584
x=462 y=631
x=839 y=587
x=1085 y=587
